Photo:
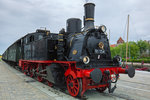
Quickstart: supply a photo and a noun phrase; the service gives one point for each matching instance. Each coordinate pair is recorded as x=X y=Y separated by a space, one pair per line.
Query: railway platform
x=14 y=85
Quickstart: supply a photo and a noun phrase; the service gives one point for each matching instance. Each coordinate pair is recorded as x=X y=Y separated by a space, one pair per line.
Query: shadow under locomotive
x=80 y=60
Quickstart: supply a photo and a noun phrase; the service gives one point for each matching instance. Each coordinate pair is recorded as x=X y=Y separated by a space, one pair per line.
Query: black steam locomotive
x=77 y=58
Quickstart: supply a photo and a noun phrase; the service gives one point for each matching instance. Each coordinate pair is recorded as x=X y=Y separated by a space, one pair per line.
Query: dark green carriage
x=13 y=53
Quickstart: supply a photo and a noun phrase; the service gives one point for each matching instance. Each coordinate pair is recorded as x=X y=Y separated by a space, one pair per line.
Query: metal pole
x=127 y=40
x=109 y=36
x=129 y=50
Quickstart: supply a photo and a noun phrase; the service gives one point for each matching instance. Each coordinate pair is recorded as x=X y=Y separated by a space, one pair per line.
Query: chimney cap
x=89 y=4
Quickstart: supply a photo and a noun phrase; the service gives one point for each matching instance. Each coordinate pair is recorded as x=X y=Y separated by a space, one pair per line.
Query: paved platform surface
x=14 y=85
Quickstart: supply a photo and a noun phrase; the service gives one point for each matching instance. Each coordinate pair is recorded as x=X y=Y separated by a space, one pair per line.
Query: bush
x=138 y=60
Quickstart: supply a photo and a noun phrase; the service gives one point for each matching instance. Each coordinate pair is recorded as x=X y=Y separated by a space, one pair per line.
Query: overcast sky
x=18 y=17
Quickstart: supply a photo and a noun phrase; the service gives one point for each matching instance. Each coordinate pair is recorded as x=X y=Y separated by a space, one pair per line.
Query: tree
x=143 y=45
x=133 y=50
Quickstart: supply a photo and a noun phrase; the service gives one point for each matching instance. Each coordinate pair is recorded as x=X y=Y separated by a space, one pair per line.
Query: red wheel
x=31 y=72
x=40 y=79
x=101 y=89
x=39 y=69
x=49 y=83
x=25 y=71
x=73 y=86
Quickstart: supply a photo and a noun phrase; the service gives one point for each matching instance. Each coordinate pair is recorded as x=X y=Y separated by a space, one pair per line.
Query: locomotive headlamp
x=117 y=59
x=103 y=28
x=86 y=59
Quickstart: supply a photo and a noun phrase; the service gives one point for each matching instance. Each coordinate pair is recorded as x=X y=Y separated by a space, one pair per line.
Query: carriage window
x=31 y=38
x=26 y=40
x=40 y=37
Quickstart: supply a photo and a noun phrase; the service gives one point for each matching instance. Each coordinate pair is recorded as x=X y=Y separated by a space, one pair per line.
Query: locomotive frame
x=78 y=78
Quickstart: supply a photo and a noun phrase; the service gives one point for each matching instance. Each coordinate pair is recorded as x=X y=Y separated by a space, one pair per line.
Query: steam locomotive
x=78 y=58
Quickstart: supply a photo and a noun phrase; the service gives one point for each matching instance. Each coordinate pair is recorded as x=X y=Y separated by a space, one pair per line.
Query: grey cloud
x=18 y=17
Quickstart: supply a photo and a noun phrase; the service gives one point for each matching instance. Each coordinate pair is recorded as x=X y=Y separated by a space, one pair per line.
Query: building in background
x=119 y=41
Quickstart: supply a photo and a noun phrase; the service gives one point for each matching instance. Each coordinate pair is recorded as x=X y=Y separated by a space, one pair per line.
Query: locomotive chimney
x=89 y=15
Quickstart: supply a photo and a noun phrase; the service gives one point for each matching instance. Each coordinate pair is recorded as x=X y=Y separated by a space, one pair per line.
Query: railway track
x=135 y=82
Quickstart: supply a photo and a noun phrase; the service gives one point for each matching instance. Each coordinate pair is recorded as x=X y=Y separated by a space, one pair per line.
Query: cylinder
x=73 y=25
